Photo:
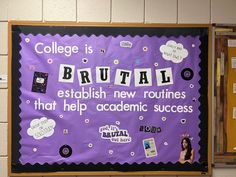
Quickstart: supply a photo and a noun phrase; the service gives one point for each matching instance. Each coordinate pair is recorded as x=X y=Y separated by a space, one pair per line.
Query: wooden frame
x=222 y=34
x=10 y=173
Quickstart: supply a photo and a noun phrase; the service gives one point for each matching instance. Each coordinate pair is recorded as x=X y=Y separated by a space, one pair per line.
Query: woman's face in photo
x=185 y=144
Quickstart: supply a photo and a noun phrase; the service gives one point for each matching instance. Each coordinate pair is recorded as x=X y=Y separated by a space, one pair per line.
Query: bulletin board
x=111 y=99
x=231 y=118
x=225 y=90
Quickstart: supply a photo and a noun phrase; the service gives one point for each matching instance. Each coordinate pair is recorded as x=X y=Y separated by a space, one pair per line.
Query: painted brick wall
x=129 y=11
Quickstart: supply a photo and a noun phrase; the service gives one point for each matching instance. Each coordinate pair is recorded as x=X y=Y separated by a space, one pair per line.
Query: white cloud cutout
x=173 y=51
x=126 y=44
x=40 y=128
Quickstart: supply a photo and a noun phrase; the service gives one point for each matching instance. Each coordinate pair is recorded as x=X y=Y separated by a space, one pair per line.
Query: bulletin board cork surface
x=225 y=92
x=114 y=99
x=231 y=103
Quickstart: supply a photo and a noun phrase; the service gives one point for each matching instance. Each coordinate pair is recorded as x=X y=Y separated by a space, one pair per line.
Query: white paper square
x=98 y=76
x=234 y=87
x=168 y=76
x=231 y=43
x=234 y=112
x=61 y=73
x=137 y=75
x=233 y=60
x=88 y=78
x=120 y=78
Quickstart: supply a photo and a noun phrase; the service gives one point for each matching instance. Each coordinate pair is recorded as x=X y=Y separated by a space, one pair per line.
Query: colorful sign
x=117 y=99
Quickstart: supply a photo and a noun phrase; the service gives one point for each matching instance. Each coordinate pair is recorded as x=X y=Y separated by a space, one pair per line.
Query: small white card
x=234 y=112
x=149 y=147
x=231 y=43
x=233 y=60
x=234 y=87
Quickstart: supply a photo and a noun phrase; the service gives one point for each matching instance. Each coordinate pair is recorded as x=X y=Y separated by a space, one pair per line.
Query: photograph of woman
x=187 y=153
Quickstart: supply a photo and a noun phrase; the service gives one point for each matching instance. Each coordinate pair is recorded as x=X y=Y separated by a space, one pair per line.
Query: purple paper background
x=81 y=133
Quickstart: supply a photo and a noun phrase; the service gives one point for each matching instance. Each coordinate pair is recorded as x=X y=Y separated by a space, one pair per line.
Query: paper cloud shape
x=126 y=44
x=173 y=51
x=40 y=128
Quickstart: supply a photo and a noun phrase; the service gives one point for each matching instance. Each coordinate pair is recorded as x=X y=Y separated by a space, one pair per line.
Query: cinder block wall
x=132 y=11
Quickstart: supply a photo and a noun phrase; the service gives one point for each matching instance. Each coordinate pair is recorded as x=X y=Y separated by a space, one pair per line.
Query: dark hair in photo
x=189 y=148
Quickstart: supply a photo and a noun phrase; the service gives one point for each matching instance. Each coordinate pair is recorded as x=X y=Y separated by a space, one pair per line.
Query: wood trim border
x=102 y=24
x=151 y=173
